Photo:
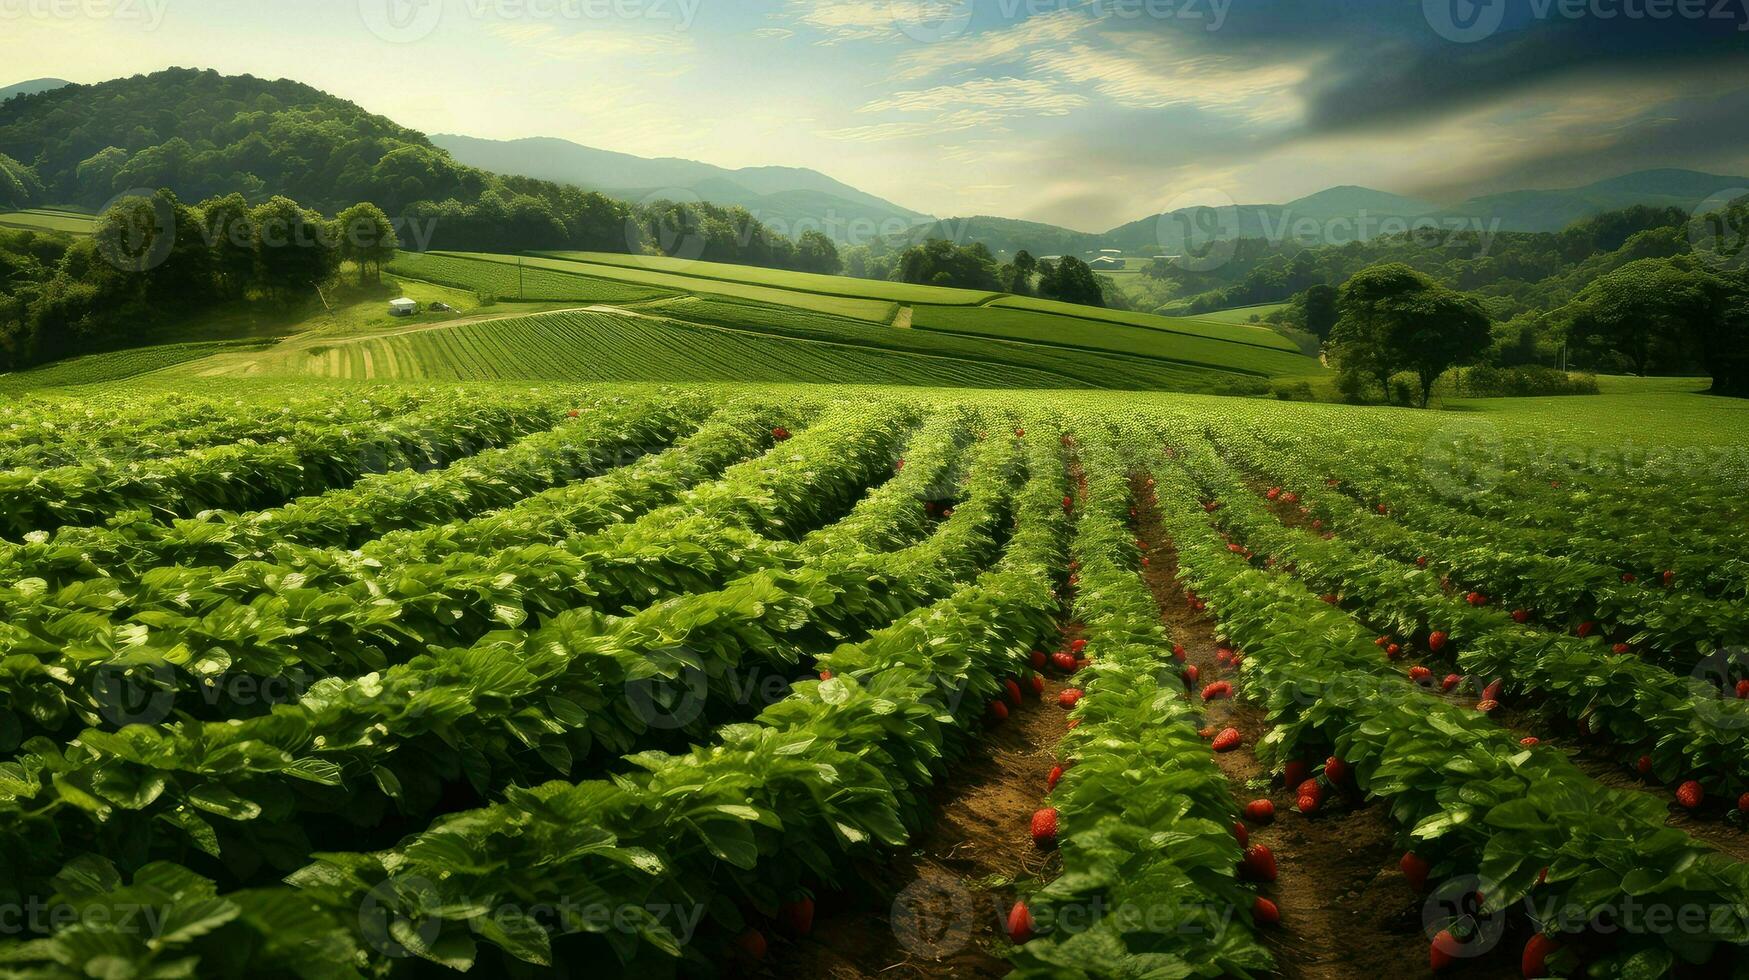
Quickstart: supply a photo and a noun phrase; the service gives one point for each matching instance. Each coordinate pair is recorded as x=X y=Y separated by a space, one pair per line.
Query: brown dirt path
x=939 y=908
x=1346 y=909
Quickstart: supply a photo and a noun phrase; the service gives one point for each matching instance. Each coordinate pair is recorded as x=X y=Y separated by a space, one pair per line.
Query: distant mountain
x=1552 y=210
x=32 y=87
x=794 y=199
x=1005 y=236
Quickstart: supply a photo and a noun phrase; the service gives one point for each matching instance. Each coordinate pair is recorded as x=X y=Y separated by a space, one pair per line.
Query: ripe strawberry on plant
x=1690 y=794
x=1264 y=912
x=1242 y=835
x=998 y=710
x=1420 y=674
x=1530 y=741
x=1585 y=629
x=1451 y=682
x=1178 y=652
x=1337 y=771
x=1191 y=674
x=1535 y=961
x=1293 y=773
x=1258 y=864
x=1669 y=579
x=1622 y=649
x=1437 y=641
x=1228 y=740
x=1044 y=828
x=1039 y=660
x=1521 y=615
x=1644 y=765
x=825 y=675
x=1064 y=662
x=1076 y=646
x=1219 y=689
x=780 y=433
x=573 y=413
x=1443 y=951
x=1743 y=803
x=798 y=916
x=1494 y=689
x=1629 y=578
x=1069 y=698
x=1260 y=811
x=1011 y=687
x=1743 y=690
x=1487 y=707
x=1037 y=682
x=1056 y=775
x=1020 y=925
x=1415 y=868
x=751 y=944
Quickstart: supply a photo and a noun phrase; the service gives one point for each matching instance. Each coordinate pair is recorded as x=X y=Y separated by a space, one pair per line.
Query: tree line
x=151 y=260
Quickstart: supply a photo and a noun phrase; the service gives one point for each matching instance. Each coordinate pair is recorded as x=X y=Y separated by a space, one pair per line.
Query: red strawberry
x=1228 y=740
x=1260 y=811
x=1242 y=835
x=1743 y=690
x=1274 y=493
x=1192 y=674
x=1336 y=770
x=1530 y=741
x=1054 y=777
x=1451 y=681
x=1294 y=773
x=1219 y=689
x=1421 y=562
x=899 y=467
x=1690 y=795
x=1629 y=578
x=1743 y=803
x=1535 y=962
x=1013 y=689
x=825 y=675
x=780 y=433
x=1437 y=641
x=1644 y=765
x=1669 y=579
x=1330 y=598
x=1444 y=950
x=1020 y=924
x=1521 y=615
x=1382 y=641
x=1264 y=912
x=1224 y=655
x=998 y=710
x=1064 y=662
x=1077 y=646
x=1039 y=660
x=1037 y=682
x=1020 y=433
x=1069 y=698
x=1310 y=788
x=1585 y=629
x=752 y=944
x=1044 y=828
x=1415 y=868
x=573 y=413
x=1258 y=864
x=1178 y=652
x=1394 y=651
x=799 y=916
x=1068 y=504
x=1487 y=707
x=1493 y=690
x=1307 y=804
x=1420 y=675
x=1622 y=649
x=1383 y=509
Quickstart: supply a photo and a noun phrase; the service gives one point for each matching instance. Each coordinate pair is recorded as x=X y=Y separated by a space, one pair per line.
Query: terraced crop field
x=337 y=679
x=48 y=219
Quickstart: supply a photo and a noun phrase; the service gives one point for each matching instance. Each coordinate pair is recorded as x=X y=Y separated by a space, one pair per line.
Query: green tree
x=1396 y=319
x=939 y=262
x=1321 y=309
x=817 y=253
x=1646 y=311
x=1070 y=281
x=231 y=237
x=294 y=248
x=367 y=239
x=1017 y=275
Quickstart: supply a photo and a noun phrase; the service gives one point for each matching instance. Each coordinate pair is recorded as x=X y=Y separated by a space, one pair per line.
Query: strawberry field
x=379 y=681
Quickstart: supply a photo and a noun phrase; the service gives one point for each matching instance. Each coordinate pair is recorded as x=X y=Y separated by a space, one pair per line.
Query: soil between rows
x=1347 y=911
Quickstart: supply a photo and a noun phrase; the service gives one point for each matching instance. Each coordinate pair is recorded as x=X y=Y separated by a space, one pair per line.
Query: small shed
x=402 y=307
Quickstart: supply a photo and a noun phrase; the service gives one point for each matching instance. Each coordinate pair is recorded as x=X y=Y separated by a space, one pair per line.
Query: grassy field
x=1227 y=332
x=1241 y=314
x=49 y=219
x=897 y=292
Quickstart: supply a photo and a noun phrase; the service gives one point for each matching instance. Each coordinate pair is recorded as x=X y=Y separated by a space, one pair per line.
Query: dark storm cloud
x=1386 y=61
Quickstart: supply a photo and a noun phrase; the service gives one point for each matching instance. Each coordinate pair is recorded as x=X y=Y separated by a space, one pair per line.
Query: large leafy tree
x=367 y=239
x=1646 y=311
x=294 y=248
x=1070 y=280
x=939 y=262
x=1396 y=319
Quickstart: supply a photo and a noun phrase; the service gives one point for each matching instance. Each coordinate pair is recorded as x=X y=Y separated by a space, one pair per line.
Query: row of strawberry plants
x=515 y=706
x=1143 y=816
x=61 y=435
x=1688 y=726
x=682 y=851
x=603 y=435
x=1559 y=588
x=1675 y=627
x=1647 y=544
x=245 y=476
x=1603 y=874
x=328 y=611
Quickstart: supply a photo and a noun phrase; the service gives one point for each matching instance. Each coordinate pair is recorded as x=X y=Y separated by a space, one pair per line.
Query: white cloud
x=1009 y=96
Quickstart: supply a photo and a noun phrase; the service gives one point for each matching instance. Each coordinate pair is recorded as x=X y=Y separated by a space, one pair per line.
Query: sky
x=1082 y=113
